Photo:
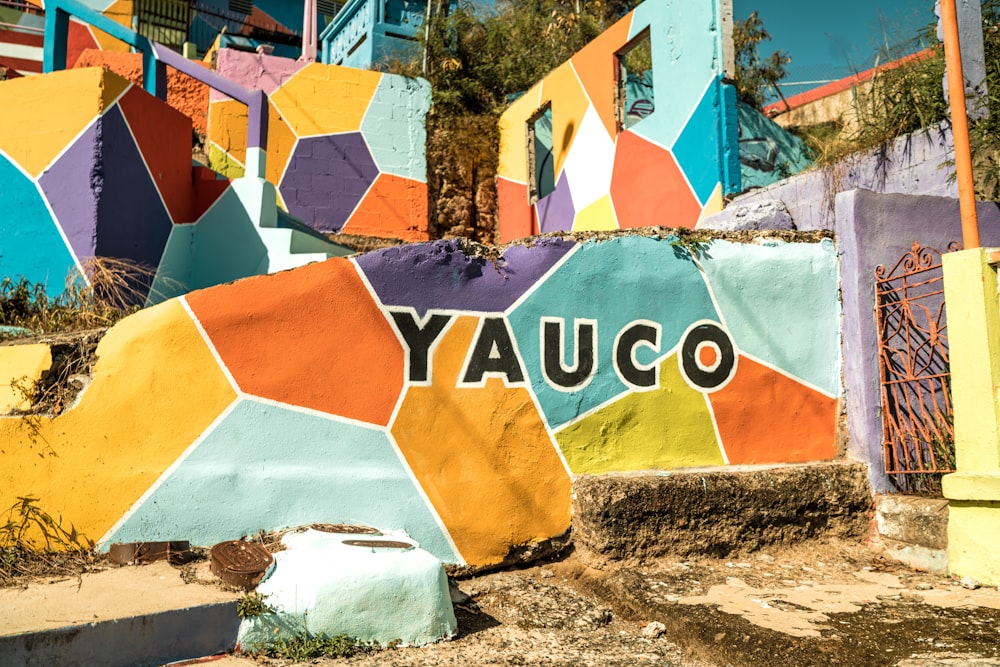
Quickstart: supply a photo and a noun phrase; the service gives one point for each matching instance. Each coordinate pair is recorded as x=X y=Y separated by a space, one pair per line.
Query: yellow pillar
x=973 y=492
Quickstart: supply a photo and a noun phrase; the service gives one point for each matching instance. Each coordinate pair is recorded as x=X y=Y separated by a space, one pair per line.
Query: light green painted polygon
x=393 y=126
x=780 y=304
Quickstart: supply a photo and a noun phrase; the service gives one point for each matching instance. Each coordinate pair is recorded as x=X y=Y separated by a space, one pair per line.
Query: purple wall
x=875 y=229
x=912 y=166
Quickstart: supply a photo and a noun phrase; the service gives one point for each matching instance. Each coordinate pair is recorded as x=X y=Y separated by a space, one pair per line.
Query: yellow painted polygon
x=599 y=216
x=714 y=204
x=664 y=429
x=42 y=115
x=21 y=366
x=569 y=103
x=483 y=456
x=513 y=128
x=325 y=99
x=156 y=388
x=227 y=129
x=972 y=549
x=224 y=163
x=120 y=11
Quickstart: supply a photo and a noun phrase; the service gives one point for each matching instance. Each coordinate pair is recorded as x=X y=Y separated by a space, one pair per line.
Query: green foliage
x=308 y=647
x=252 y=605
x=475 y=62
x=756 y=75
x=29 y=527
x=112 y=292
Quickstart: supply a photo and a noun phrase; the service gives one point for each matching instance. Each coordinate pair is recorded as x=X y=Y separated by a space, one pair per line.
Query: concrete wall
x=345 y=146
x=92 y=166
x=673 y=167
x=185 y=94
x=450 y=395
x=915 y=164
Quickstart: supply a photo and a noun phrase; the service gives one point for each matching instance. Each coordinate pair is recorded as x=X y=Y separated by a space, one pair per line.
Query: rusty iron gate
x=917 y=431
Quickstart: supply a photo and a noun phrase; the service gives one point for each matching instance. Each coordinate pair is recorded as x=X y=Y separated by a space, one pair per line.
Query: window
x=634 y=100
x=541 y=170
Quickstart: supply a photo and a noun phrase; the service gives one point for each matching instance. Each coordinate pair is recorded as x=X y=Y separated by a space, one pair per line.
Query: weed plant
x=113 y=289
x=33 y=543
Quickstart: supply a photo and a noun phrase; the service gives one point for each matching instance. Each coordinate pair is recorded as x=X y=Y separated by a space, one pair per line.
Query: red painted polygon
x=513 y=210
x=648 y=188
x=162 y=135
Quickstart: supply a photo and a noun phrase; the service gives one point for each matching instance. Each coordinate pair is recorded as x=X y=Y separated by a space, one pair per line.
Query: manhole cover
x=124 y=553
x=379 y=544
x=345 y=529
x=240 y=563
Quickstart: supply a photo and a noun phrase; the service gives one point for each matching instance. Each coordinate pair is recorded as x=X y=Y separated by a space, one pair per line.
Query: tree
x=755 y=76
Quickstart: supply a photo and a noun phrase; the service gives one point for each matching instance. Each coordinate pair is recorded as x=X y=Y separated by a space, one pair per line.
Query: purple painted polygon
x=132 y=221
x=67 y=186
x=556 y=212
x=440 y=275
x=326 y=177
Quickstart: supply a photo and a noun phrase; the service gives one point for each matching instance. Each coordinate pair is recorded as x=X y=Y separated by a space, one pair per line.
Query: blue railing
x=155 y=59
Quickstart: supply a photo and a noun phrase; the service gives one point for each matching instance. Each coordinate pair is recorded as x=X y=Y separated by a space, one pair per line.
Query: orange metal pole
x=959 y=124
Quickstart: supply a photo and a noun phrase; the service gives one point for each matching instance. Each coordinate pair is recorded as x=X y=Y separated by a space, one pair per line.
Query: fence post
x=973 y=492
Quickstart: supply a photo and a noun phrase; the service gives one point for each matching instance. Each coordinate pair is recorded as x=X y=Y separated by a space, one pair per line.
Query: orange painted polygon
x=155 y=127
x=766 y=417
x=482 y=456
x=648 y=188
x=280 y=144
x=389 y=208
x=597 y=67
x=312 y=337
x=512 y=200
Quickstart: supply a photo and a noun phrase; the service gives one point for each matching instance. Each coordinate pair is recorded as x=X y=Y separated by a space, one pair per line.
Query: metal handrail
x=155 y=59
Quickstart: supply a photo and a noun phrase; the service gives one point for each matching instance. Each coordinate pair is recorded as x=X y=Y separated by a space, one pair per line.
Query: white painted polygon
x=590 y=161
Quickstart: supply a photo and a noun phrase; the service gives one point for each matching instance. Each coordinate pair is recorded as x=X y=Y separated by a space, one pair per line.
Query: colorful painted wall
x=83 y=36
x=674 y=165
x=450 y=395
x=345 y=146
x=93 y=166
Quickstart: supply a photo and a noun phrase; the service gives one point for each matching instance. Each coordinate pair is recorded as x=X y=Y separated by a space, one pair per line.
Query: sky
x=830 y=40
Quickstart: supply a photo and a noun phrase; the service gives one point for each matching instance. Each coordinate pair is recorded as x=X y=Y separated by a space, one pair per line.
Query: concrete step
x=134 y=615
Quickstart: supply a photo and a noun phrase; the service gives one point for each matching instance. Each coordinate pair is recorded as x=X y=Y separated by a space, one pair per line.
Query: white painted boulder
x=323 y=585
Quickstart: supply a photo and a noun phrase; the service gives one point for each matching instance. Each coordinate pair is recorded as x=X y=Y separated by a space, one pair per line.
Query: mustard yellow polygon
x=156 y=388
x=120 y=11
x=21 y=366
x=325 y=99
x=280 y=145
x=569 y=103
x=599 y=216
x=227 y=129
x=42 y=115
x=714 y=204
x=513 y=127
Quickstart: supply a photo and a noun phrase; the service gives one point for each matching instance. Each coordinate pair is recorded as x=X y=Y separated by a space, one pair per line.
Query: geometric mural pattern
x=449 y=395
x=671 y=167
x=96 y=167
x=345 y=146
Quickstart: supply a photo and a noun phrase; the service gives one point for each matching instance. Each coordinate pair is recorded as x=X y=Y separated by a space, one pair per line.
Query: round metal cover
x=345 y=529
x=379 y=544
x=240 y=563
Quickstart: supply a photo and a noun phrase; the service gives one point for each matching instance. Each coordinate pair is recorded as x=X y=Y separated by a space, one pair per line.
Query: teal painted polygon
x=699 y=149
x=266 y=467
x=780 y=304
x=32 y=246
x=686 y=40
x=614 y=282
x=396 y=115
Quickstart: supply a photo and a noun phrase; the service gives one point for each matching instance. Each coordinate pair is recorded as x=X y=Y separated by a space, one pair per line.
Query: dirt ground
x=818 y=603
